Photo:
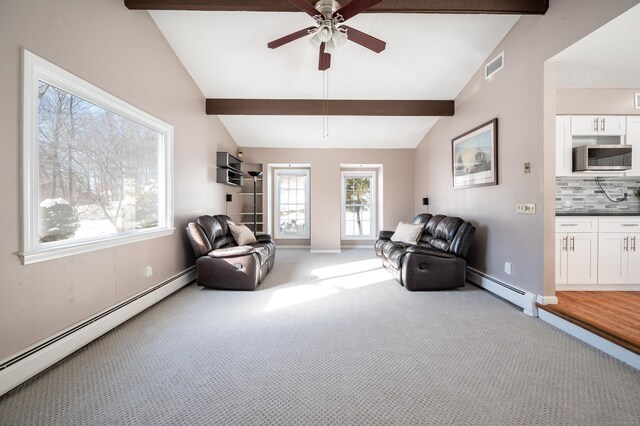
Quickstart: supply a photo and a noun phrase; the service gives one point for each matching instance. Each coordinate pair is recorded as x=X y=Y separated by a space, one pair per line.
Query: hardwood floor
x=613 y=315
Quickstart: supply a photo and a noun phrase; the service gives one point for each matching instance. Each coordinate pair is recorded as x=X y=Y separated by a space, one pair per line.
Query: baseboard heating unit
x=524 y=299
x=35 y=359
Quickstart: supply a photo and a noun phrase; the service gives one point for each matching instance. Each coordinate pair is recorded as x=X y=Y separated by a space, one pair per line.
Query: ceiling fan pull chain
x=325 y=104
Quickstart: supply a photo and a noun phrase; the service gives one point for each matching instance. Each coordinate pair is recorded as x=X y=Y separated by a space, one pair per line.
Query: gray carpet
x=330 y=339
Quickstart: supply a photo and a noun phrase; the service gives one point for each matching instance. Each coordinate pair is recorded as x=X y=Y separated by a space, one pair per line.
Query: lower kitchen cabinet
x=577 y=258
x=576 y=252
x=618 y=252
x=597 y=253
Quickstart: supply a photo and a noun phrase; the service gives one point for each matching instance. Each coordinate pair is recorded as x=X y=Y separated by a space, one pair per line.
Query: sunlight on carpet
x=330 y=280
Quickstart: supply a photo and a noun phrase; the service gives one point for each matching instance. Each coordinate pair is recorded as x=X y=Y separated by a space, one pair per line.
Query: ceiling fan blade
x=324 y=61
x=305 y=6
x=289 y=38
x=364 y=39
x=354 y=7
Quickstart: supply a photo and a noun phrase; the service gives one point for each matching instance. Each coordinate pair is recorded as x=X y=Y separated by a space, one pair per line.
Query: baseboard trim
x=368 y=246
x=547 y=300
x=293 y=247
x=21 y=367
x=597 y=287
x=610 y=348
x=325 y=251
x=524 y=299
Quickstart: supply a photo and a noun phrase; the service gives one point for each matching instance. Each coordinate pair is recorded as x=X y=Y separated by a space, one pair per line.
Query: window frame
x=373 y=207
x=276 y=207
x=35 y=69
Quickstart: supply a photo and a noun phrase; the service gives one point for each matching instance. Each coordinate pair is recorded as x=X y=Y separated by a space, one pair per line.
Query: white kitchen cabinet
x=598 y=125
x=619 y=251
x=563 y=146
x=633 y=139
x=576 y=251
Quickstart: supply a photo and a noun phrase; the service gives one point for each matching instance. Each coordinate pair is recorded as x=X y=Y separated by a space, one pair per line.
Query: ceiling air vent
x=494 y=66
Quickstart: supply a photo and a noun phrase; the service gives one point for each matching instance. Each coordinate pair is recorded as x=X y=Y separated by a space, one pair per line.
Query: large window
x=358 y=205
x=291 y=218
x=97 y=171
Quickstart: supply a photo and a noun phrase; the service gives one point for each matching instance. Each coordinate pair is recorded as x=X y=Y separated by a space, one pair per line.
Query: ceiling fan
x=329 y=34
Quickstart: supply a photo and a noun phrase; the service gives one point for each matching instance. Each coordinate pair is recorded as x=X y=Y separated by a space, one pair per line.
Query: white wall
x=124 y=53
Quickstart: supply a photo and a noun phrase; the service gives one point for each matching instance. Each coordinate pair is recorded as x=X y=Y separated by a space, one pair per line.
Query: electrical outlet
x=525 y=208
x=508 y=268
x=148 y=271
x=527 y=168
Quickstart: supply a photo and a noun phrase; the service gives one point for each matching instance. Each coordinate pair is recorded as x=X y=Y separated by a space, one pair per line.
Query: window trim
x=276 y=211
x=374 y=203
x=34 y=69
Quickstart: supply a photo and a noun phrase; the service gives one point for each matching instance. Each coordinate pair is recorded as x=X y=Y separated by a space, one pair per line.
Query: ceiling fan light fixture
x=315 y=41
x=325 y=33
x=331 y=47
x=339 y=38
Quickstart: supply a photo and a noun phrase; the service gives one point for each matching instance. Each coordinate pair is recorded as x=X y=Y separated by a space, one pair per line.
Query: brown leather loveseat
x=437 y=261
x=221 y=263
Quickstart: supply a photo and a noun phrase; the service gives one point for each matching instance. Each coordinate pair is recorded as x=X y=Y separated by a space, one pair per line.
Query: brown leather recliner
x=437 y=261
x=221 y=263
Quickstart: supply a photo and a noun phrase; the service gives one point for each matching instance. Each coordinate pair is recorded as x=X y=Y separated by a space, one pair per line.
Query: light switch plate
x=525 y=208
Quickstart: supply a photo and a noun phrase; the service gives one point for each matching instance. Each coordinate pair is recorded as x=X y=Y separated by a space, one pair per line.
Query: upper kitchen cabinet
x=633 y=139
x=598 y=125
x=563 y=145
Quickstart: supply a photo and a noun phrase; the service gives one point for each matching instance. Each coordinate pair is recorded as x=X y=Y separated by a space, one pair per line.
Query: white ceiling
x=608 y=58
x=429 y=57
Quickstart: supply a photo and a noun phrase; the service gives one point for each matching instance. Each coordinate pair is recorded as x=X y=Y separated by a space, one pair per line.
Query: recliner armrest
x=428 y=251
x=263 y=238
x=385 y=235
x=231 y=251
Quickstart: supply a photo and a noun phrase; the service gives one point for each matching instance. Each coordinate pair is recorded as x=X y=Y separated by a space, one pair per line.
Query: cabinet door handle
x=595 y=124
x=568 y=224
x=602 y=125
x=564 y=243
x=573 y=244
x=626 y=243
x=629 y=224
x=633 y=243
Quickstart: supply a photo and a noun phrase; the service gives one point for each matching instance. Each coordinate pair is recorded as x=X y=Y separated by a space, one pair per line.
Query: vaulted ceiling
x=428 y=57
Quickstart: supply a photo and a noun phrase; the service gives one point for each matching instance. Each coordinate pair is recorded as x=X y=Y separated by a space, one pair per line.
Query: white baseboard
x=33 y=360
x=592 y=339
x=325 y=251
x=547 y=300
x=597 y=287
x=524 y=299
x=278 y=247
x=368 y=246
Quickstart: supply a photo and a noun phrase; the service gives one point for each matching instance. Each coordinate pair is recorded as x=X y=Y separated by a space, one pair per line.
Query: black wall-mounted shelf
x=229 y=169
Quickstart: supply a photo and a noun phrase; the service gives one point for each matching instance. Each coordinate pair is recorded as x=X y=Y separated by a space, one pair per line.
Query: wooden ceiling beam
x=513 y=7
x=331 y=107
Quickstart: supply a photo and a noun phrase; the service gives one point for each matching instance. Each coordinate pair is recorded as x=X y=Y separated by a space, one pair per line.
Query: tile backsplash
x=582 y=195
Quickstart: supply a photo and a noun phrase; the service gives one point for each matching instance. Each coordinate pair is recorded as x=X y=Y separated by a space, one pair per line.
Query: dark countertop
x=597 y=213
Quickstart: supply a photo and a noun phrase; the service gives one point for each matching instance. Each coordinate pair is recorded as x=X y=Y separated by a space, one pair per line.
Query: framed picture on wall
x=475 y=156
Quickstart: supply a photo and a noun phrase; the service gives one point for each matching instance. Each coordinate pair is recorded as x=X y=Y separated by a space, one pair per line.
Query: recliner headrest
x=210 y=226
x=447 y=228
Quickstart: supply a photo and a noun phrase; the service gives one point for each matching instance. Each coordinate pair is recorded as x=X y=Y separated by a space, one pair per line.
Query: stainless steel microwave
x=602 y=158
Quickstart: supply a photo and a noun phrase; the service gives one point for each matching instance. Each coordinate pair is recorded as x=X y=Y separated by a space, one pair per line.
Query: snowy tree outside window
x=292 y=203
x=358 y=205
x=96 y=169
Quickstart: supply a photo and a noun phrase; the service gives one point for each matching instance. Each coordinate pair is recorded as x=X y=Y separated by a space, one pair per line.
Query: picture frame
x=474 y=156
